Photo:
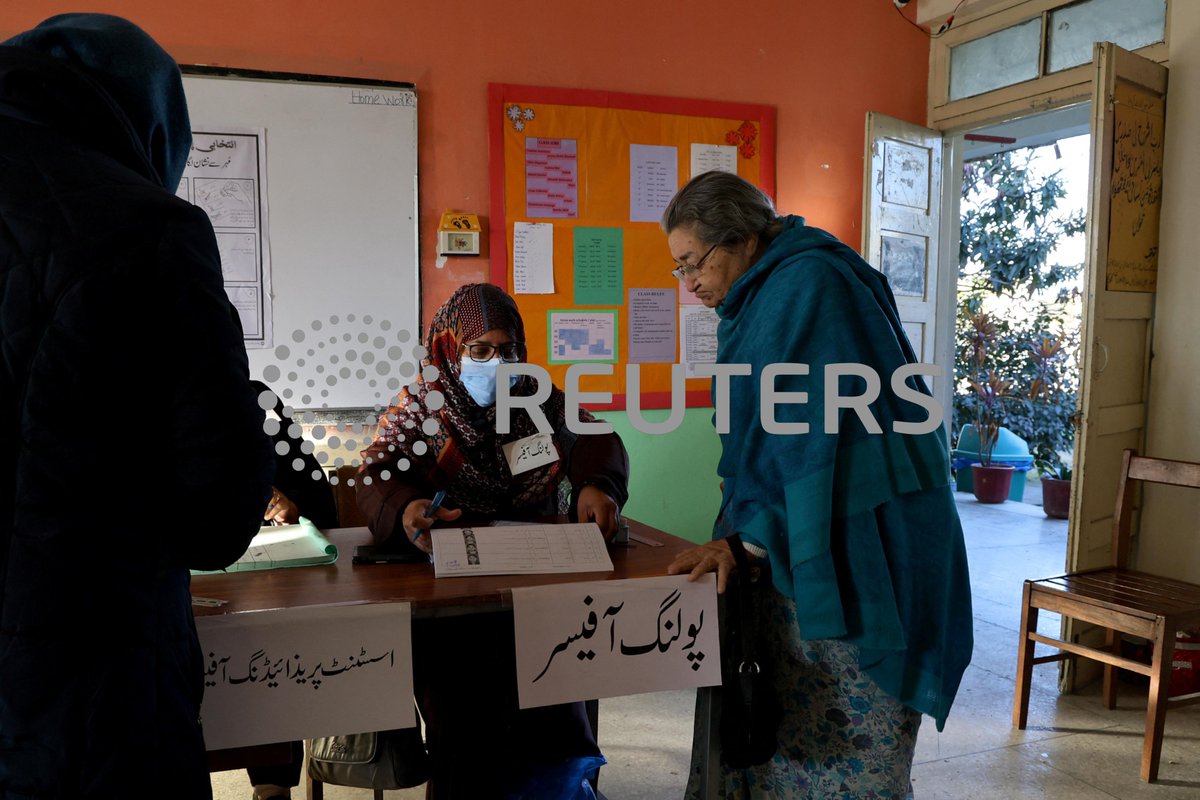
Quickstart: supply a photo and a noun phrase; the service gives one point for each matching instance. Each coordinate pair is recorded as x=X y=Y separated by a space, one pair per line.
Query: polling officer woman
x=442 y=437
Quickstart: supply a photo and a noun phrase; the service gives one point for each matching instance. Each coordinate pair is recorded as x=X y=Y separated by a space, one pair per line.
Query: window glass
x=1128 y=23
x=999 y=59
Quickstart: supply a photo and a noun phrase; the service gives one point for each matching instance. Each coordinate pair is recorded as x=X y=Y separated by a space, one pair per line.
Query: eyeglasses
x=685 y=271
x=482 y=351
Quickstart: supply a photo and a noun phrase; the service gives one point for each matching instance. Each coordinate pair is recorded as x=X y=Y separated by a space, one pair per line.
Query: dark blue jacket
x=131 y=447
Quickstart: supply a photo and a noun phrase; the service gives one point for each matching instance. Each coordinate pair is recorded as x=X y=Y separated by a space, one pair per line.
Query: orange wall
x=823 y=65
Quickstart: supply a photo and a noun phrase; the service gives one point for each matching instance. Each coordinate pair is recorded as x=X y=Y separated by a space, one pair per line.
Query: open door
x=1128 y=119
x=902 y=202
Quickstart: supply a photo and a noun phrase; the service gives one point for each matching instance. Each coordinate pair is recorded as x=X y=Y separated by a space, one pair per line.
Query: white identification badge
x=530 y=452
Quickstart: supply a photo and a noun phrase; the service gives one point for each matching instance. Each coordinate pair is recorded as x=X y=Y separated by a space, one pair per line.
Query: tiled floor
x=1073 y=749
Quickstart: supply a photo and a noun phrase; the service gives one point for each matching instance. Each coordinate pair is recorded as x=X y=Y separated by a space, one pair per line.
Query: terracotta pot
x=1056 y=497
x=992 y=483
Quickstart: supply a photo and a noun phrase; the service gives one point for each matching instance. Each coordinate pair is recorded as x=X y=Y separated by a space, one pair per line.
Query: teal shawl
x=860 y=528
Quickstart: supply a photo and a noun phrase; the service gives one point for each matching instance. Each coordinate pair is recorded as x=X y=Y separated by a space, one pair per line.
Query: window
x=999 y=59
x=1127 y=23
x=1011 y=56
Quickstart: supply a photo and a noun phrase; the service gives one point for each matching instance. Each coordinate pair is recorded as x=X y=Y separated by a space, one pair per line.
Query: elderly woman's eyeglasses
x=482 y=351
x=685 y=271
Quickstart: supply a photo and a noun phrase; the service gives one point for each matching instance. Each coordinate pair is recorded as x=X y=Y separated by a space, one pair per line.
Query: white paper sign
x=580 y=641
x=709 y=157
x=225 y=176
x=533 y=258
x=697 y=338
x=531 y=452
x=299 y=673
x=653 y=180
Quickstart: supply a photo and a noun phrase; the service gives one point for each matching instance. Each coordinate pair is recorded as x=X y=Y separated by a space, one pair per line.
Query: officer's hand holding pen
x=419 y=517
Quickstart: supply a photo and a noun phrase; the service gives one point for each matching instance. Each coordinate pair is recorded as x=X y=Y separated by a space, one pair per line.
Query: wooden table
x=346 y=582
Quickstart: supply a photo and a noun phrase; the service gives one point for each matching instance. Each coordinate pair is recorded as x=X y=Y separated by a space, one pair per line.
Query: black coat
x=131 y=448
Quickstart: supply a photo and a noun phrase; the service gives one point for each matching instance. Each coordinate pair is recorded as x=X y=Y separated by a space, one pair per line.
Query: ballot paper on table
x=276 y=546
x=519 y=550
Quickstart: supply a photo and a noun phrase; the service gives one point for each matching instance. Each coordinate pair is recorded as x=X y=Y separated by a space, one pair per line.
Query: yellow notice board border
x=597 y=136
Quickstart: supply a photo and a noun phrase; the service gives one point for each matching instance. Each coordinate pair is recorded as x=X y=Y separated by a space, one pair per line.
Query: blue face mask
x=479 y=379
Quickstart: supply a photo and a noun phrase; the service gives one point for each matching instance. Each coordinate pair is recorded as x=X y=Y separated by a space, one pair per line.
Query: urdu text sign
x=580 y=641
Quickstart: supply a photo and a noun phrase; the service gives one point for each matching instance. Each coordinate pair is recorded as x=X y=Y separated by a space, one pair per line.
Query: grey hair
x=722 y=209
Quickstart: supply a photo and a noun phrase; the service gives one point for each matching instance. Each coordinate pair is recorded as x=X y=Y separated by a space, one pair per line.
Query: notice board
x=579 y=182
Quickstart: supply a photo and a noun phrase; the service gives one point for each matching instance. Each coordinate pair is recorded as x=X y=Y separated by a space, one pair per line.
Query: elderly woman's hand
x=711 y=557
x=596 y=506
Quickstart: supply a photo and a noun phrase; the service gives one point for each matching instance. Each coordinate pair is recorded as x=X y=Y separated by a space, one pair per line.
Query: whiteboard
x=341 y=226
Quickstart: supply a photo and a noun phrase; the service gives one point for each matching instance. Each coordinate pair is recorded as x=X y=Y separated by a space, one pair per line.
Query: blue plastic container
x=1009 y=449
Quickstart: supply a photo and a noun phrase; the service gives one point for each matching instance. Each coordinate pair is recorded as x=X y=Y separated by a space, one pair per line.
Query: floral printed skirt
x=841 y=735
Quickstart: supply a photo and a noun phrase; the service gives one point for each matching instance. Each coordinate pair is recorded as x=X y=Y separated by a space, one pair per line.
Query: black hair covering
x=142 y=79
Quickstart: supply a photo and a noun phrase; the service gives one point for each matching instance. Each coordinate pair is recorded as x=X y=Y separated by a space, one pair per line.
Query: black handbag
x=393 y=759
x=750 y=711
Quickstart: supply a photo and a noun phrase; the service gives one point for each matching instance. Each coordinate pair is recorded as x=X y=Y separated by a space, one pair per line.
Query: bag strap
x=747 y=663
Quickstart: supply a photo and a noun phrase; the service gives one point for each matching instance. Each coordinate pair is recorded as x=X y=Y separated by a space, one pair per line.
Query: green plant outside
x=1011 y=225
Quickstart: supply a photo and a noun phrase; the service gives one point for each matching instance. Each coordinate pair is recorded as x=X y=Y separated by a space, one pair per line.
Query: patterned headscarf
x=452 y=441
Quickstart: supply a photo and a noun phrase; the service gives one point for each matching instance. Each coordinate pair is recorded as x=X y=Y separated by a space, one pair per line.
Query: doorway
x=1021 y=199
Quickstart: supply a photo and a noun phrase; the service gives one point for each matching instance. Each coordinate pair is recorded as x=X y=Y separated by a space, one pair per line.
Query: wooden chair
x=1120 y=600
x=315 y=789
x=343 y=498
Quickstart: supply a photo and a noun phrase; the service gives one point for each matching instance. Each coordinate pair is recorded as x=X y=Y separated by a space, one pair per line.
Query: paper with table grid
x=276 y=546
x=519 y=550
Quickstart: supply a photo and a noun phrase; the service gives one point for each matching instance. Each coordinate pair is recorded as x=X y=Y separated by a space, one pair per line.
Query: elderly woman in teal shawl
x=870 y=617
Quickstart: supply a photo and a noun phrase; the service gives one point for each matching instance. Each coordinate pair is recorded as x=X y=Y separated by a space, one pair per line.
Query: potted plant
x=1055 y=406
x=990 y=482
x=1056 y=490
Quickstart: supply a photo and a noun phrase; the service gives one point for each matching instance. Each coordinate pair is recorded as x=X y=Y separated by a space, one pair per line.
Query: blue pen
x=432 y=510
x=435 y=505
